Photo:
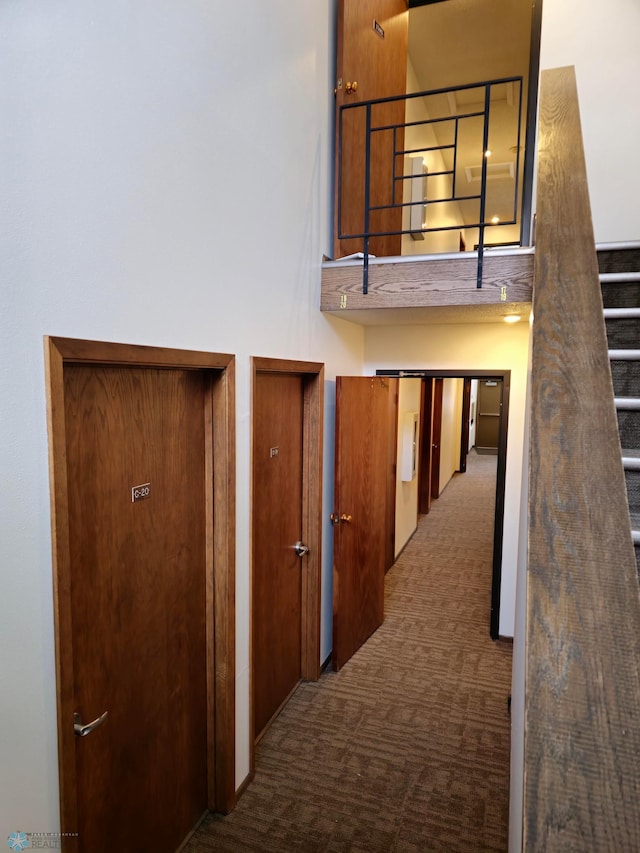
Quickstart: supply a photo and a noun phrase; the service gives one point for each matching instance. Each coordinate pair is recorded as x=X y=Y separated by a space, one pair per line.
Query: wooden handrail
x=582 y=694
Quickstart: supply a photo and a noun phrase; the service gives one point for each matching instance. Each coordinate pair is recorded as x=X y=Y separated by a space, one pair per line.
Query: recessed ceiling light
x=487 y=153
x=512 y=318
x=495 y=220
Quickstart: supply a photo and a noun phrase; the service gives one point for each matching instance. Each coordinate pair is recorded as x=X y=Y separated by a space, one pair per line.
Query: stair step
x=621 y=313
x=627 y=404
x=632 y=482
x=620 y=245
x=619 y=277
x=624 y=355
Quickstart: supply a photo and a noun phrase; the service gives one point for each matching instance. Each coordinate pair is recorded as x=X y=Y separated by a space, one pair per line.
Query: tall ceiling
x=465 y=41
x=458 y=42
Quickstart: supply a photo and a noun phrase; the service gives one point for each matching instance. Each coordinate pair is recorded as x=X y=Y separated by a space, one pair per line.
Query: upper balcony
x=432 y=207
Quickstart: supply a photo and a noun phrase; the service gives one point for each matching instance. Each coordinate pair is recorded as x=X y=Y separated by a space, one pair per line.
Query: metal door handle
x=347 y=519
x=81 y=730
x=301 y=549
x=350 y=88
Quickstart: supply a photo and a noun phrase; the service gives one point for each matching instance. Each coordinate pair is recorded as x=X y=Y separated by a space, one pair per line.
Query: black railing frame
x=481 y=225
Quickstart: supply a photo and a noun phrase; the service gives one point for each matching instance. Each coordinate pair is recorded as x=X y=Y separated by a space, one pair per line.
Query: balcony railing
x=383 y=195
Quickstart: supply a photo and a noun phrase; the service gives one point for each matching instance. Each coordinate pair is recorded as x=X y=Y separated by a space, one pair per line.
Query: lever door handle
x=80 y=729
x=301 y=549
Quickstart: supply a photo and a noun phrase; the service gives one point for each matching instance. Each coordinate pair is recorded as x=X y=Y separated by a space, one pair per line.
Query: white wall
x=451 y=430
x=601 y=41
x=438 y=215
x=409 y=391
x=163 y=182
x=482 y=346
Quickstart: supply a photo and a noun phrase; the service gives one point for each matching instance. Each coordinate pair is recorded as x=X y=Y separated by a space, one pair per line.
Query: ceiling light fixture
x=495 y=220
x=512 y=318
x=487 y=153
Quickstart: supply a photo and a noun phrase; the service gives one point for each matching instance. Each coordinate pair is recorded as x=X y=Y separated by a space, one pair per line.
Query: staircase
x=619 y=266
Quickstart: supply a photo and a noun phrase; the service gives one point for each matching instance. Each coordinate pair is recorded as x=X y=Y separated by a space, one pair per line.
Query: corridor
x=406 y=749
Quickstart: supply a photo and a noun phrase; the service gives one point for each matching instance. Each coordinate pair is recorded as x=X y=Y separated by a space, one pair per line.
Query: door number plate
x=139 y=493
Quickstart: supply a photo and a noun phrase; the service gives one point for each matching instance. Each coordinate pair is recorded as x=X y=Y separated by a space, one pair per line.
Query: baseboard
x=244 y=785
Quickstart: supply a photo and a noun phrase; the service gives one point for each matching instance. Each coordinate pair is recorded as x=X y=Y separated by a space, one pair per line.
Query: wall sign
x=139 y=493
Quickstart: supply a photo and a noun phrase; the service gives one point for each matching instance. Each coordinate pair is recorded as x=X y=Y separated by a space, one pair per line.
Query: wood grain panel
x=313 y=373
x=392 y=462
x=224 y=565
x=312 y=376
x=138 y=601
x=379 y=66
x=426 y=283
x=104 y=352
x=276 y=589
x=582 y=740
x=61 y=352
x=426 y=445
x=361 y=473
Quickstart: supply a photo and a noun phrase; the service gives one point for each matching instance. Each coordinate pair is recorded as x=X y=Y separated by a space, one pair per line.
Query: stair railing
x=582 y=684
x=385 y=179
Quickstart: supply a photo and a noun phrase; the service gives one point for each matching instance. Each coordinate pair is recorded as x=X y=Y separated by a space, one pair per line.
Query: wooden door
x=392 y=433
x=436 y=436
x=360 y=510
x=277 y=527
x=135 y=446
x=489 y=412
x=376 y=60
x=464 y=432
x=425 y=445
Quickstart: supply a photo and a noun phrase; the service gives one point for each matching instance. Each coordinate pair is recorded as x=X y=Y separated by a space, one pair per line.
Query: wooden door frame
x=220 y=553
x=464 y=433
x=498 y=527
x=436 y=437
x=425 y=446
x=312 y=374
x=390 y=550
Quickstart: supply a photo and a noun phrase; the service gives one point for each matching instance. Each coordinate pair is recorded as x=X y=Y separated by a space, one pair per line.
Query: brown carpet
x=407 y=748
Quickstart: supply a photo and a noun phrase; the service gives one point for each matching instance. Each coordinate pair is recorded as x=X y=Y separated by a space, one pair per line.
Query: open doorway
x=430 y=454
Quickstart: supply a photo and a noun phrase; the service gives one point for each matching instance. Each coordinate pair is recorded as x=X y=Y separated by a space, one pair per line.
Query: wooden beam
x=582 y=729
x=427 y=283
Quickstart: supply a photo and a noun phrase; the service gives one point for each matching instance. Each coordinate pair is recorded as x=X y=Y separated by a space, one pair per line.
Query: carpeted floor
x=406 y=749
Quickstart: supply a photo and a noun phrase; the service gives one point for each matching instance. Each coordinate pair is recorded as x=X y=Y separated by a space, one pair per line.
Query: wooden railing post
x=582 y=694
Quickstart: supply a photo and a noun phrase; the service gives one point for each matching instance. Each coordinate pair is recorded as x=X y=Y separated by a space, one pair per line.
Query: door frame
x=498 y=527
x=436 y=437
x=219 y=549
x=312 y=374
x=466 y=413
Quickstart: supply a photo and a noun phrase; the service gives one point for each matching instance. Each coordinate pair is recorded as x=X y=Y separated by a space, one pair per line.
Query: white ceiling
x=464 y=41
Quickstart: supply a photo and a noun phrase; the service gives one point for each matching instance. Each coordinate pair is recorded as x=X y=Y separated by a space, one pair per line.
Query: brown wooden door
x=392 y=433
x=136 y=496
x=360 y=507
x=425 y=445
x=379 y=67
x=489 y=412
x=277 y=527
x=464 y=432
x=436 y=436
